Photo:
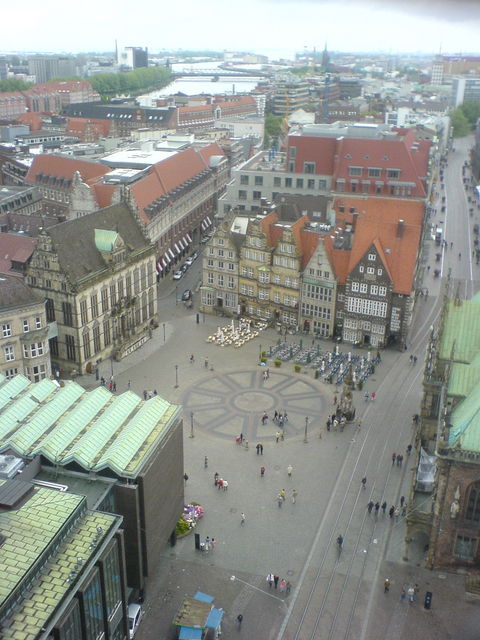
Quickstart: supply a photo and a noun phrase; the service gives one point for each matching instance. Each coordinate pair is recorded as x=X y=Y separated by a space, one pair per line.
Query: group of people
x=149 y=394
x=398 y=458
x=208 y=544
x=336 y=421
x=282 y=496
x=394 y=512
x=281 y=584
x=112 y=385
x=220 y=483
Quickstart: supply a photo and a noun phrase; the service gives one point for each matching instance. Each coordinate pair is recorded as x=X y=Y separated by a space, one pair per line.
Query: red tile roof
x=63 y=167
x=377 y=225
x=15 y=248
x=314 y=149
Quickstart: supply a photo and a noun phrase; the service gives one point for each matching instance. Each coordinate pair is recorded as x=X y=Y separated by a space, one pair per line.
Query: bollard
x=428 y=600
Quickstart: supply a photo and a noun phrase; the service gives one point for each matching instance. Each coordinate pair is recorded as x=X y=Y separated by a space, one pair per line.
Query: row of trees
x=109 y=84
x=464 y=118
x=13 y=84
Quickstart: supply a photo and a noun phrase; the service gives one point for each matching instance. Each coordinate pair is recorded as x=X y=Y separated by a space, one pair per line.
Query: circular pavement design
x=228 y=404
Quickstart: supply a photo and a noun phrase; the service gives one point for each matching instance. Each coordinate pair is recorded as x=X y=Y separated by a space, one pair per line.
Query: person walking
x=377 y=508
x=220 y=483
x=411 y=594
x=396 y=514
x=277 y=436
x=261 y=449
x=288 y=587
x=207 y=544
x=394 y=457
x=402 y=500
x=242 y=518
x=409 y=449
x=192 y=359
x=206 y=363
x=391 y=511
x=403 y=595
x=370 y=506
x=282 y=493
x=225 y=485
x=275 y=581
x=215 y=479
x=239 y=620
x=384 y=507
x=262 y=472
x=270 y=580
x=283 y=585
x=364 y=482
x=185 y=477
x=289 y=470
x=279 y=501
x=386 y=585
x=258 y=449
x=400 y=460
x=294 y=495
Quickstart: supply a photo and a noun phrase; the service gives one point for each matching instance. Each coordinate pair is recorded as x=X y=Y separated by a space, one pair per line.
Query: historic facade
x=24 y=331
x=97 y=274
x=445 y=494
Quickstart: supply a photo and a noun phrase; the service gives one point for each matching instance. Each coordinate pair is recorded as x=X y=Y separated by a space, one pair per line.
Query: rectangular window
x=50 y=310
x=6 y=330
x=221 y=280
x=374 y=290
x=299 y=183
x=231 y=282
x=363 y=287
x=242 y=195
x=96 y=339
x=374 y=172
x=38 y=322
x=53 y=345
x=128 y=285
x=309 y=167
x=209 y=277
x=355 y=286
x=322 y=185
x=292 y=152
x=372 y=257
x=67 y=314
x=25 y=326
x=83 y=312
x=258 y=181
x=104 y=299
x=209 y=262
x=393 y=173
x=221 y=265
x=382 y=291
x=106 y=332
x=288 y=182
x=10 y=373
x=379 y=272
x=311 y=184
x=257 y=195
x=9 y=353
x=86 y=344
x=113 y=294
x=231 y=266
x=277 y=182
x=370 y=270
x=94 y=305
x=354 y=171
x=465 y=547
x=70 y=345
x=243 y=179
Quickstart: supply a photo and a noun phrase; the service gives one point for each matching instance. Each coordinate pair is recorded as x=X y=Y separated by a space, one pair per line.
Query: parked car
x=178 y=275
x=189 y=261
x=186 y=295
x=135 y=615
x=194 y=255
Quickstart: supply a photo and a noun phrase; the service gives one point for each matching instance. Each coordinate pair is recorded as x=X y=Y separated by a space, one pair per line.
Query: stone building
x=24 y=331
x=97 y=274
x=445 y=495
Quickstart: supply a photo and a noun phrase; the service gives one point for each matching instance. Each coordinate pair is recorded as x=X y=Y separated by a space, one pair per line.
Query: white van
x=135 y=615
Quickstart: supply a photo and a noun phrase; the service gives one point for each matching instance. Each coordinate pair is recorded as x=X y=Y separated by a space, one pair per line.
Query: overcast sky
x=250 y=25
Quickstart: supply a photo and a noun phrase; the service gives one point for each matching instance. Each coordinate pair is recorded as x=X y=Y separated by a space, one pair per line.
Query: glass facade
x=92 y=602
x=72 y=627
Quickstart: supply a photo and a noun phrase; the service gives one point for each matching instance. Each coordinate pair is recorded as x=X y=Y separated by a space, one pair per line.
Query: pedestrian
x=391 y=511
x=268 y=373
x=364 y=482
x=283 y=585
x=129 y=384
x=402 y=500
x=415 y=357
x=329 y=422
x=386 y=586
x=261 y=449
x=409 y=449
x=241 y=437
x=282 y=494
x=294 y=495
x=258 y=449
x=215 y=479
x=279 y=501
x=110 y=386
x=242 y=518
x=277 y=436
x=288 y=587
x=192 y=359
x=377 y=508
x=185 y=477
x=220 y=483
x=245 y=443
x=270 y=580
x=275 y=581
x=225 y=485
x=373 y=396
x=205 y=462
x=411 y=594
x=335 y=400
x=213 y=543
x=145 y=394
x=239 y=620
x=114 y=386
x=370 y=506
x=384 y=506
x=289 y=470
x=206 y=363
x=285 y=417
x=155 y=392
x=411 y=359
x=366 y=396
x=400 y=458
x=262 y=471
x=403 y=595
x=207 y=544
x=396 y=514
x=275 y=416
x=404 y=510
x=394 y=457
x=264 y=375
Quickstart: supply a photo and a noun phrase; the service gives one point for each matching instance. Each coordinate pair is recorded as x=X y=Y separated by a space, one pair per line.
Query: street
x=333 y=595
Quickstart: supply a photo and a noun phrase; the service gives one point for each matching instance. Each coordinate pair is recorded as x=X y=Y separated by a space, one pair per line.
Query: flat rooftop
x=135 y=158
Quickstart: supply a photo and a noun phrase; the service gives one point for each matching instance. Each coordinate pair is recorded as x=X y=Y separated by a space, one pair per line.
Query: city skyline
x=275 y=27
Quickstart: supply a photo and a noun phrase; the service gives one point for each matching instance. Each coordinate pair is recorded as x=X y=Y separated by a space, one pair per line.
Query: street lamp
x=192 y=435
x=259 y=351
x=176 y=376
x=163 y=333
x=305 y=438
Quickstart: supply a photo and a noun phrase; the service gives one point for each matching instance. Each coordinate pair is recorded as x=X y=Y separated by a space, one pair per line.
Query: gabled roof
x=15 y=248
x=74 y=240
x=14 y=293
x=50 y=164
x=377 y=225
x=95 y=430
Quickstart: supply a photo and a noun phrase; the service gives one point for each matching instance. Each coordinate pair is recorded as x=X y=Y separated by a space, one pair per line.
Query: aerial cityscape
x=240 y=321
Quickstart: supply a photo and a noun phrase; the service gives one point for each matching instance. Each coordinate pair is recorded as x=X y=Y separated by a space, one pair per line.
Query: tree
x=13 y=84
x=460 y=123
x=471 y=110
x=273 y=128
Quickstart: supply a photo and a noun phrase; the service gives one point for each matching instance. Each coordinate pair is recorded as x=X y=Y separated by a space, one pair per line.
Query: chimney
x=400 y=228
x=354 y=221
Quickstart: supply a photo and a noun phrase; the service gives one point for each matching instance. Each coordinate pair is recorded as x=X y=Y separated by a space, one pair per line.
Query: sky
x=264 y=26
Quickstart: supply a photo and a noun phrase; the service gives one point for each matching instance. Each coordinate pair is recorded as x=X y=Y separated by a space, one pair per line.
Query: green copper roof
x=42 y=524
x=464 y=377
x=105 y=240
x=461 y=330
x=96 y=430
x=465 y=421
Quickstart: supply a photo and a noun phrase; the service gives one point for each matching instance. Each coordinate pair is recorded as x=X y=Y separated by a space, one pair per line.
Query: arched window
x=472 y=510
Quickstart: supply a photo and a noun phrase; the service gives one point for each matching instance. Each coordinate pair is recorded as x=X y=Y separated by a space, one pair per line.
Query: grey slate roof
x=15 y=293
x=74 y=240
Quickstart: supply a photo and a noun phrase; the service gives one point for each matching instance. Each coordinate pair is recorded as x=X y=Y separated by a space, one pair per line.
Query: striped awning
x=159 y=267
x=185 y=241
x=177 y=248
x=180 y=242
x=167 y=258
x=189 y=237
x=164 y=263
x=172 y=255
x=204 y=225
